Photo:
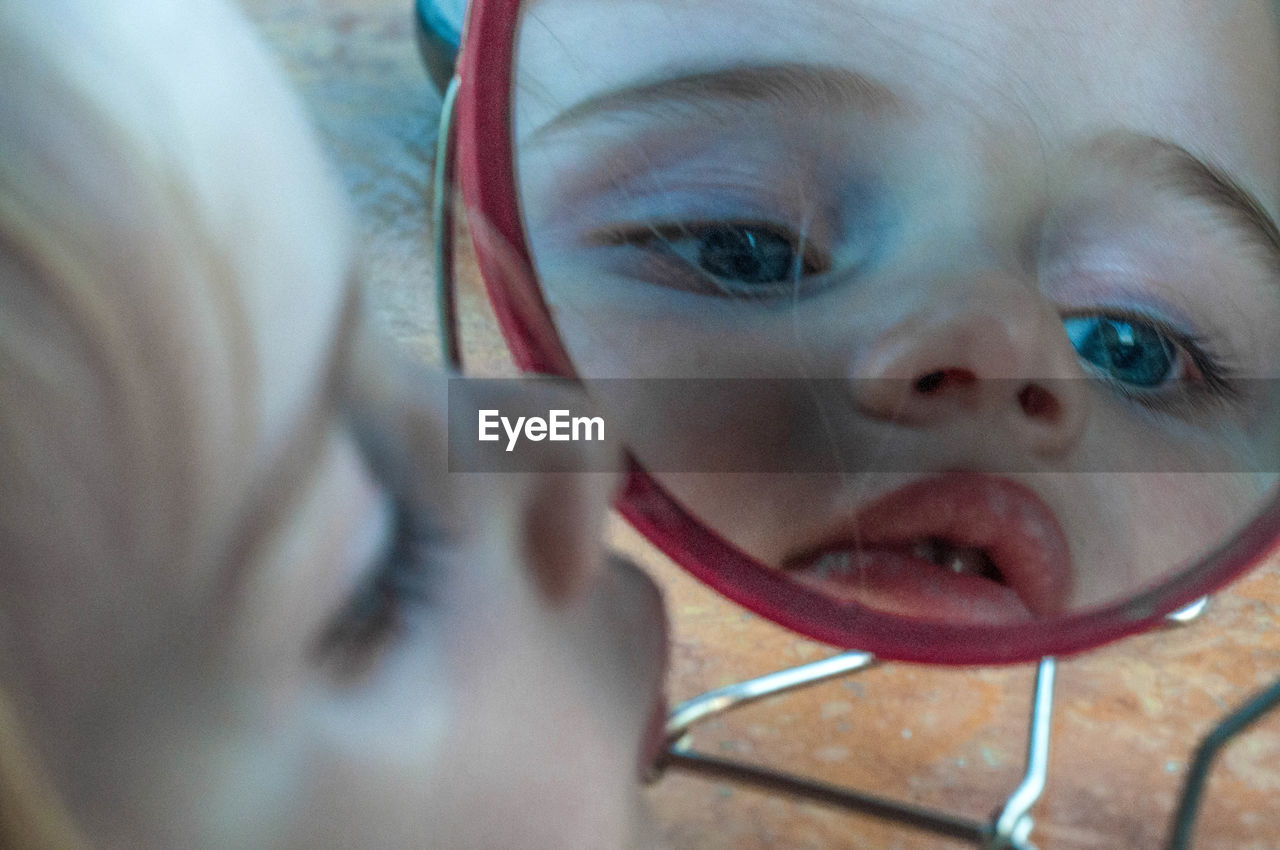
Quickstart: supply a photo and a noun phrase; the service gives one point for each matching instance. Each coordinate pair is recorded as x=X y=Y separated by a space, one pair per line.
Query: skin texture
x=205 y=446
x=996 y=168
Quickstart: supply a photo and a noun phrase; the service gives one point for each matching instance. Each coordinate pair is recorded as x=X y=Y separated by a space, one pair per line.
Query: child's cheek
x=1180 y=516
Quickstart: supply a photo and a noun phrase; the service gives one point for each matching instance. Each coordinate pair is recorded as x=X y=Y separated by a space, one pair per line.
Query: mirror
x=967 y=314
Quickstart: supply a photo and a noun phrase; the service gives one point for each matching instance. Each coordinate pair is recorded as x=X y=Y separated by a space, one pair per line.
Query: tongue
x=896 y=580
x=899 y=580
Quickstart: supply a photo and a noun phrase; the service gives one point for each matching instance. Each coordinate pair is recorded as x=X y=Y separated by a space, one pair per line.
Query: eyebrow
x=716 y=94
x=1176 y=168
x=706 y=93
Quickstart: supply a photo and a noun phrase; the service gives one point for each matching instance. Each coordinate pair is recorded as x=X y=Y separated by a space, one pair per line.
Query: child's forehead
x=1075 y=31
x=1059 y=73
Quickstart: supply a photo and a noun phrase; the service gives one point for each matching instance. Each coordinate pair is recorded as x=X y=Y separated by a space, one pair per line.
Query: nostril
x=931 y=382
x=1039 y=403
x=943 y=379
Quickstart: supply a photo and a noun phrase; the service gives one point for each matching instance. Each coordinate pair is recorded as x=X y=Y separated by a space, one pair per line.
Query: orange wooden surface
x=1126 y=715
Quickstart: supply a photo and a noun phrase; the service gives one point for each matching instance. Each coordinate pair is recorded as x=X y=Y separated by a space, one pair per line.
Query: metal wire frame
x=442 y=233
x=1228 y=728
x=1009 y=828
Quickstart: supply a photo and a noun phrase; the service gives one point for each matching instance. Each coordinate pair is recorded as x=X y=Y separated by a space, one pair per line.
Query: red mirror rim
x=486 y=171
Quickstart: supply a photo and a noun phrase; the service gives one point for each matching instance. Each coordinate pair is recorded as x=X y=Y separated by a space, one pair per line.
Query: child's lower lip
x=1008 y=522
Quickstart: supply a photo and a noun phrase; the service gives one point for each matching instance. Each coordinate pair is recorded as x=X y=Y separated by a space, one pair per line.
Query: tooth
x=967 y=559
x=833 y=564
x=925 y=551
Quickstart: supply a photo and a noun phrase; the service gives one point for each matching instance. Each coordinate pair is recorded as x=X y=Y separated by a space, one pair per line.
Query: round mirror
x=947 y=331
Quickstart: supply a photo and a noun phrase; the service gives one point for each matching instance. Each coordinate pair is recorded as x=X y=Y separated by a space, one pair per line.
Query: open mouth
x=961 y=547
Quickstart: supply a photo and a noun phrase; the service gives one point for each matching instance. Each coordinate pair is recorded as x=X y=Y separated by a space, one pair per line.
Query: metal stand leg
x=442 y=233
x=1013 y=823
x=1008 y=830
x=737 y=695
x=1011 y=826
x=1232 y=725
x=1188 y=615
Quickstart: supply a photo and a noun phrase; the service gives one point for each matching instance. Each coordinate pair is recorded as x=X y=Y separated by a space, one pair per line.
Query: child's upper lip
x=1006 y=520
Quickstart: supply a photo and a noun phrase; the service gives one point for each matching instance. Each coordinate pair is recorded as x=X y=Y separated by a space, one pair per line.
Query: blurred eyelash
x=658 y=241
x=399 y=583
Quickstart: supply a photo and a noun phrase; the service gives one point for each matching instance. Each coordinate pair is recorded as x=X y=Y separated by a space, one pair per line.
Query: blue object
x=439 y=35
x=442 y=18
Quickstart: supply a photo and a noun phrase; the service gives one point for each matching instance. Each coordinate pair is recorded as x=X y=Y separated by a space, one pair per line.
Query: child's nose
x=993 y=350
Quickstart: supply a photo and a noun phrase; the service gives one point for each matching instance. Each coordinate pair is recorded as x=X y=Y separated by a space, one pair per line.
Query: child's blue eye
x=1125 y=350
x=745 y=253
x=726 y=258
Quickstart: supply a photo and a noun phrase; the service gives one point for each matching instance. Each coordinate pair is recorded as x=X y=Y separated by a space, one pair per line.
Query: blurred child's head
x=242 y=602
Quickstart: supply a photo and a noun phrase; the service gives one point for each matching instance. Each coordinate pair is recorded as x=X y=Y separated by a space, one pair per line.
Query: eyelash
x=398 y=584
x=658 y=240
x=1215 y=383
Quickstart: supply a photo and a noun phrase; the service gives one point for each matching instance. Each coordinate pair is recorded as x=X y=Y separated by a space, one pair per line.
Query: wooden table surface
x=1126 y=716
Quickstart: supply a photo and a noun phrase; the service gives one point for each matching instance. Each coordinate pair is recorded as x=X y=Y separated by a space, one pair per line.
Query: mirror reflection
x=965 y=312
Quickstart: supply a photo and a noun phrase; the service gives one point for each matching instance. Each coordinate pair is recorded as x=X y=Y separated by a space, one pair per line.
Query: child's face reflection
x=1033 y=239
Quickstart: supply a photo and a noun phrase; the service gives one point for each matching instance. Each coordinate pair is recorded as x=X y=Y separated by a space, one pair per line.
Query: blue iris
x=1128 y=351
x=746 y=254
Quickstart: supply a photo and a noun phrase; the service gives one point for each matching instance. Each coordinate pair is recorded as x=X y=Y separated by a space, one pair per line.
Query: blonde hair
x=133 y=183
x=51 y=233
x=31 y=815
